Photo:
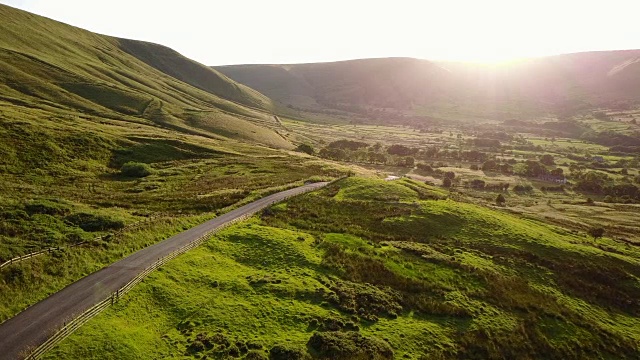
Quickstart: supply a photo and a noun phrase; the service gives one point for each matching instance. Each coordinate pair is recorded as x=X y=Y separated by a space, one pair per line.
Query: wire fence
x=49 y=250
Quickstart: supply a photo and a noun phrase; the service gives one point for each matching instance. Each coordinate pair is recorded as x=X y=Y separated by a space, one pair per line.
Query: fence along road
x=31 y=328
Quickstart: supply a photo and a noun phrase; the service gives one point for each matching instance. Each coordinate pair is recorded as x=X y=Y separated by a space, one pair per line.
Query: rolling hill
x=563 y=84
x=56 y=67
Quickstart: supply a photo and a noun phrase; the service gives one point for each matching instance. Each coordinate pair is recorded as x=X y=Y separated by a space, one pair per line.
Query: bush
x=305 y=148
x=446 y=182
x=90 y=222
x=46 y=207
x=500 y=200
x=474 y=167
x=426 y=168
x=477 y=184
x=348 y=345
x=281 y=352
x=596 y=232
x=136 y=169
x=523 y=188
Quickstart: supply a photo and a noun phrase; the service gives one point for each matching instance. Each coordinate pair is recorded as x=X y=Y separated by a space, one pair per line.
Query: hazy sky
x=292 y=31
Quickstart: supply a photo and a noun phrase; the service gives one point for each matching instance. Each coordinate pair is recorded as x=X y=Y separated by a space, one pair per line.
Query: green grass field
x=343 y=273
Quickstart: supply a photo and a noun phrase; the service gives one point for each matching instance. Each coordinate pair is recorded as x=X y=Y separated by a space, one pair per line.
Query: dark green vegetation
x=367 y=269
x=102 y=153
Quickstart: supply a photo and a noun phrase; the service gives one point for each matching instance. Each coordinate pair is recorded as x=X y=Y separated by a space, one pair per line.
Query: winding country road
x=33 y=326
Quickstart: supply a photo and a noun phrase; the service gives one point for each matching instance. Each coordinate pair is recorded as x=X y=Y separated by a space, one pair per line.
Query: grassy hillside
x=102 y=153
x=56 y=67
x=392 y=83
x=561 y=85
x=366 y=269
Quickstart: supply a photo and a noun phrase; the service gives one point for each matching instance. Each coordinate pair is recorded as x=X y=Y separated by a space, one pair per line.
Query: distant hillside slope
x=172 y=63
x=53 y=66
x=392 y=82
x=557 y=84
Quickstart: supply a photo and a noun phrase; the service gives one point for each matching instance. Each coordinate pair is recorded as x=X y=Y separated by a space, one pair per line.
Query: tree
x=547 y=159
x=406 y=161
x=596 y=232
x=446 y=182
x=489 y=165
x=477 y=184
x=450 y=174
x=305 y=148
x=500 y=200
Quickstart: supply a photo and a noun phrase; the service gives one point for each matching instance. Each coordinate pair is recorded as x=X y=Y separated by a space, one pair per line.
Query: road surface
x=37 y=323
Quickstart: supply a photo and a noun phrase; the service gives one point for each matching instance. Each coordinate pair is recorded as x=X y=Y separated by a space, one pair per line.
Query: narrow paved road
x=33 y=326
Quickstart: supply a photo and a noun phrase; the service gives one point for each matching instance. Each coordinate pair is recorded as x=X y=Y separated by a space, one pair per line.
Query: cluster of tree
x=493 y=165
x=611 y=138
x=484 y=142
x=401 y=150
x=347 y=145
x=594 y=182
x=361 y=152
x=531 y=168
x=498 y=135
x=482 y=185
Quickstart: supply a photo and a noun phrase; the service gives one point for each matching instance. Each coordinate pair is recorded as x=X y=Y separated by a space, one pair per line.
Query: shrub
x=348 y=345
x=547 y=159
x=281 y=352
x=90 y=222
x=46 y=207
x=477 y=184
x=500 y=200
x=473 y=167
x=523 y=188
x=136 y=169
x=446 y=182
x=597 y=232
x=424 y=167
x=305 y=148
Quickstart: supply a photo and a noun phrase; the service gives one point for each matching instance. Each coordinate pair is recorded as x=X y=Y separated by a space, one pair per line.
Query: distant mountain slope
x=558 y=84
x=50 y=65
x=392 y=82
x=172 y=63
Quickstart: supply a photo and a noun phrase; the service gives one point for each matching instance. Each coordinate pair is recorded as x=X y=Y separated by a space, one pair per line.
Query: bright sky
x=291 y=31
